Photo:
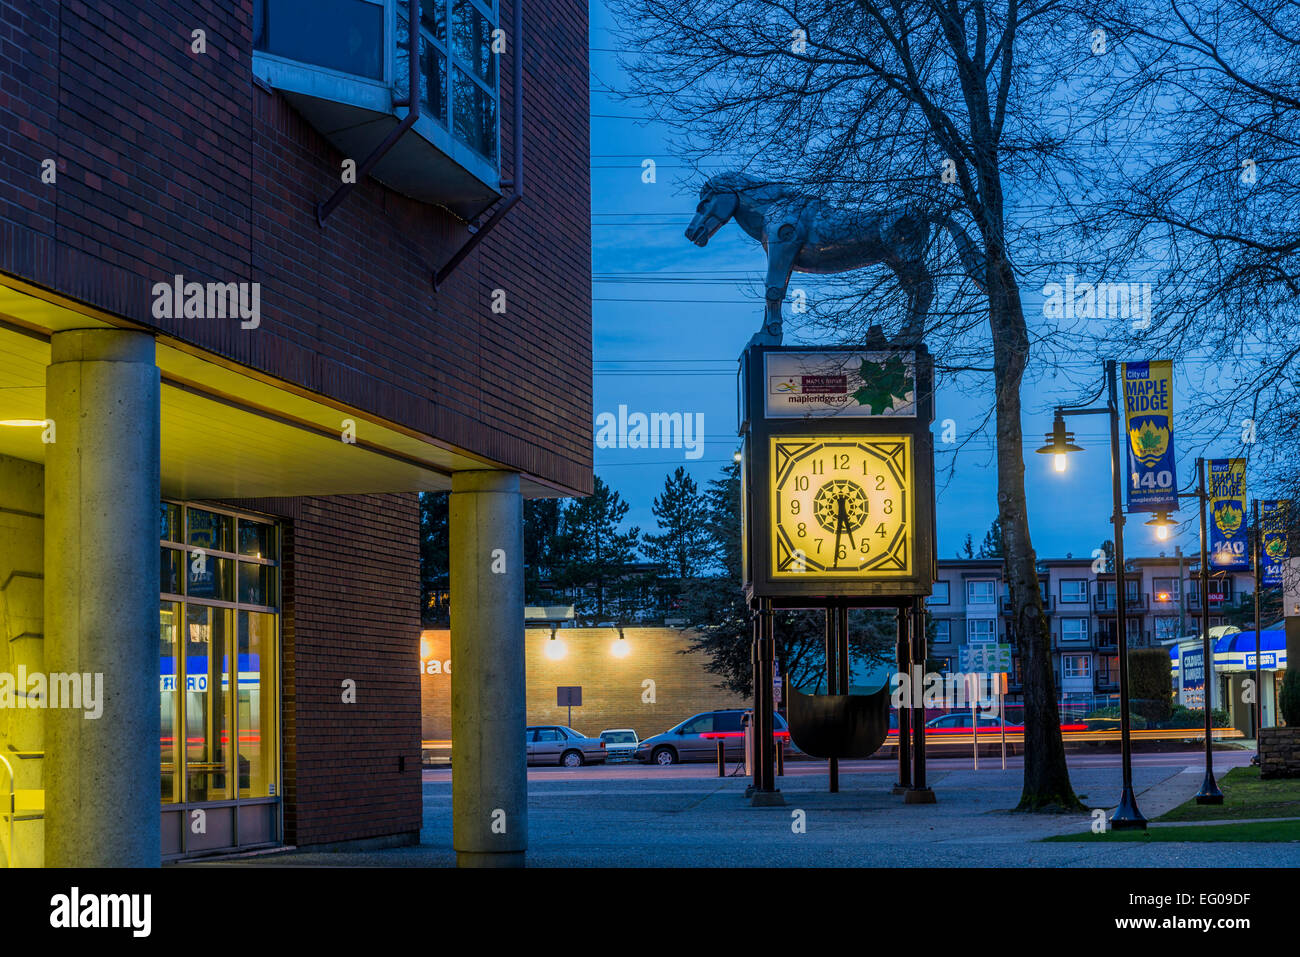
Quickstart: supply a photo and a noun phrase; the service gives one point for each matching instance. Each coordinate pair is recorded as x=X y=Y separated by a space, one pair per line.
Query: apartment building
x=971 y=611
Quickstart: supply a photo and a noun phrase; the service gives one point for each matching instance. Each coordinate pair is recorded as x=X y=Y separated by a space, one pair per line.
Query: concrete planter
x=1279 y=752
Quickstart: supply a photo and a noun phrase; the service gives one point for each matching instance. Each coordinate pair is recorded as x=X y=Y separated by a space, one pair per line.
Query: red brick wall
x=175 y=162
x=351 y=600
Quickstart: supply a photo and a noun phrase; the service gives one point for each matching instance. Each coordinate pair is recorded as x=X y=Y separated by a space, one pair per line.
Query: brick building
x=225 y=371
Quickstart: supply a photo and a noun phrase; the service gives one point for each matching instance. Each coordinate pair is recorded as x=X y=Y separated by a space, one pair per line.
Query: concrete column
x=101 y=598
x=489 y=790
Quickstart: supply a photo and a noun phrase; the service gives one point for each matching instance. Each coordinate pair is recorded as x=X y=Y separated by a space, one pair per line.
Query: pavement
x=635 y=816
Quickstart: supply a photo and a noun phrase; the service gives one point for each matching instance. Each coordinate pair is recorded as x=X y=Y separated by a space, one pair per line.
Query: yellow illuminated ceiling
x=226 y=432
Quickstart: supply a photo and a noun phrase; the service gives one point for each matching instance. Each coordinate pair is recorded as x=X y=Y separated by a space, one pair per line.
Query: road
x=1223 y=760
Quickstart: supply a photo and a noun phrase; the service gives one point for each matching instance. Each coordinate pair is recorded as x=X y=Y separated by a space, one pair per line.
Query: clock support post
x=919 y=792
x=904 y=659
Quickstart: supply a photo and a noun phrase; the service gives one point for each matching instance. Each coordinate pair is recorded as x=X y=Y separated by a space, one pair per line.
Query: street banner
x=1149 y=424
x=1272 y=528
x=1229 y=550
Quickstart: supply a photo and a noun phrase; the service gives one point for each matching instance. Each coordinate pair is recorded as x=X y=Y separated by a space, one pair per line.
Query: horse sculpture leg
x=780 y=261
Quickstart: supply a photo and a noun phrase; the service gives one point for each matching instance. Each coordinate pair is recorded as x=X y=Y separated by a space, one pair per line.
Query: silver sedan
x=556 y=744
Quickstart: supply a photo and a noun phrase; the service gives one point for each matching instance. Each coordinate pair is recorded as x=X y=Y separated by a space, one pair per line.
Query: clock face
x=841 y=506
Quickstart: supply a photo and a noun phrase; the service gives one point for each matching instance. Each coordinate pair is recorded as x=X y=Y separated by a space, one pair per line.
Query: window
x=981 y=592
x=1074 y=591
x=980 y=630
x=940 y=594
x=342 y=35
x=1108 y=669
x=218 y=655
x=1074 y=629
x=549 y=734
x=1164 y=590
x=942 y=631
x=458 y=79
x=726 y=721
x=1076 y=666
x=1166 y=628
x=700 y=725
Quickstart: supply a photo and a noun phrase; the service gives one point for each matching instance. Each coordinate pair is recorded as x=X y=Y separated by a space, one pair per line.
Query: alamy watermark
x=655 y=430
x=214 y=300
x=957 y=689
x=1103 y=300
x=36 y=690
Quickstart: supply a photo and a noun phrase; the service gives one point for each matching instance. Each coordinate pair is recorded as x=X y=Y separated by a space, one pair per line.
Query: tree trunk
x=1047 y=777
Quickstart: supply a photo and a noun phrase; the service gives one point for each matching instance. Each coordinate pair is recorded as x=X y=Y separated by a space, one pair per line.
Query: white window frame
x=934 y=595
x=942 y=631
x=1075 y=640
x=973 y=639
x=1069 y=671
x=1074 y=581
x=992 y=589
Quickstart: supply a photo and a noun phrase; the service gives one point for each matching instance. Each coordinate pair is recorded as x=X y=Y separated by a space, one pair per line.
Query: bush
x=1288 y=699
x=1190 y=718
x=1150 y=682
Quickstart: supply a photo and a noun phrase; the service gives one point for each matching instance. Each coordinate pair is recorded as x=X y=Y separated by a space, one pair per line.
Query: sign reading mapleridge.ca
x=860 y=385
x=1149 y=422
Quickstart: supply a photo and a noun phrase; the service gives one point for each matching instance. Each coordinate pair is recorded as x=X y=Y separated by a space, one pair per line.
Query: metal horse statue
x=807 y=234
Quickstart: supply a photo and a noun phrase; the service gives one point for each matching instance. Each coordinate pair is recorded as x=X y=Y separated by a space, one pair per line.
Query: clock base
x=767 y=799
x=920 y=796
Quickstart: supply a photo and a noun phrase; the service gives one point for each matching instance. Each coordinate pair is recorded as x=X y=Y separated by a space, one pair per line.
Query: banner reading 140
x=1272 y=528
x=1149 y=422
x=1228 y=548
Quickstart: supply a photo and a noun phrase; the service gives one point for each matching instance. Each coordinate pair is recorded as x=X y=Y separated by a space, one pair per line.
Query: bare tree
x=950 y=107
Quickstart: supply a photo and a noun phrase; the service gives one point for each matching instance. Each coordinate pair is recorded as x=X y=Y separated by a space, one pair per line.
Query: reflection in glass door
x=207 y=708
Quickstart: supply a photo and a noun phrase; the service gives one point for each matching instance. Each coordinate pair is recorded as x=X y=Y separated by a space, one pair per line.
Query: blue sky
x=670 y=320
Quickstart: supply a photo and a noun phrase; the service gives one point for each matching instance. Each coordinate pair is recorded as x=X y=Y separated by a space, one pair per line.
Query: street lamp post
x=1059 y=442
x=1209 y=793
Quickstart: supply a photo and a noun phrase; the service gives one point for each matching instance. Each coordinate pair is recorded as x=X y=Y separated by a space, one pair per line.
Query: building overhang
x=226 y=431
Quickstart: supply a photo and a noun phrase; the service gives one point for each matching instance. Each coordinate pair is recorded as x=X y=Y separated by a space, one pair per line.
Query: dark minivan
x=696 y=738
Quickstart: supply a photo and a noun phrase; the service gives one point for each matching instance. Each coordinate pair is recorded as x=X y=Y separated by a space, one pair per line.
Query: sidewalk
x=708 y=822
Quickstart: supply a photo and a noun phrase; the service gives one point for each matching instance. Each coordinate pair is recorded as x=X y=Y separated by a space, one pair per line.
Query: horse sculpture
x=806 y=234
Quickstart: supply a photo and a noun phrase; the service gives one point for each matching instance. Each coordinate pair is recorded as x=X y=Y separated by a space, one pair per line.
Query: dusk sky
x=670 y=320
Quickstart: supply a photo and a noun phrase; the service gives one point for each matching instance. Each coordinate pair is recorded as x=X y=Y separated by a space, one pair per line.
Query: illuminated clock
x=842 y=506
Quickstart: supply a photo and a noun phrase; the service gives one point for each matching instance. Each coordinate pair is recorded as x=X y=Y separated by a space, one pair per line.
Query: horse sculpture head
x=719 y=198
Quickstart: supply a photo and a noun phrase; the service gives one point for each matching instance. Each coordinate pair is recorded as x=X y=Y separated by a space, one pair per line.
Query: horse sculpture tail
x=972 y=260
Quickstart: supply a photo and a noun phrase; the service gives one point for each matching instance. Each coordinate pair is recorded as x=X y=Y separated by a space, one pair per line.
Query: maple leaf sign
x=882 y=384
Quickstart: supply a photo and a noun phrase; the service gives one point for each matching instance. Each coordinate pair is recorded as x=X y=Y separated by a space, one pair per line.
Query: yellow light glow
x=1162 y=532
x=1058 y=461
x=23 y=423
x=555 y=649
x=620 y=648
x=841 y=506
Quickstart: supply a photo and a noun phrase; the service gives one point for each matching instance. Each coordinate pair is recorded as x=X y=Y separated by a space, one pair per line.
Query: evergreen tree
x=541 y=534
x=967 y=549
x=992 y=545
x=435 y=558
x=681 y=544
x=593 y=556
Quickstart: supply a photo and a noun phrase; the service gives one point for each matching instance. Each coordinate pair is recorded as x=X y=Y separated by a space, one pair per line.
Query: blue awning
x=1237 y=651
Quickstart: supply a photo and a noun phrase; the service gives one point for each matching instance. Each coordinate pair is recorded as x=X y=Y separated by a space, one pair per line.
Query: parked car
x=696 y=738
x=959 y=722
x=556 y=744
x=620 y=743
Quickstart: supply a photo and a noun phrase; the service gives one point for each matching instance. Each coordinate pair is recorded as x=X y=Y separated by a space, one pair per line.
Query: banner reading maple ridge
x=1149 y=422
x=1228 y=547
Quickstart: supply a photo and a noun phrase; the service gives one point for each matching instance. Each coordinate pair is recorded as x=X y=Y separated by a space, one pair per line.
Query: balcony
x=1107 y=603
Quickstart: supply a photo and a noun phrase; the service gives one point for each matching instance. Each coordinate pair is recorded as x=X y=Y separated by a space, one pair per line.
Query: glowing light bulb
x=1058 y=460
x=555 y=649
x=620 y=648
x=1162 y=532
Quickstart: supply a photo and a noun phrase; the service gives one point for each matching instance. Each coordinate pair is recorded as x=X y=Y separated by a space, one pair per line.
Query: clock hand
x=844 y=513
x=839 y=520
